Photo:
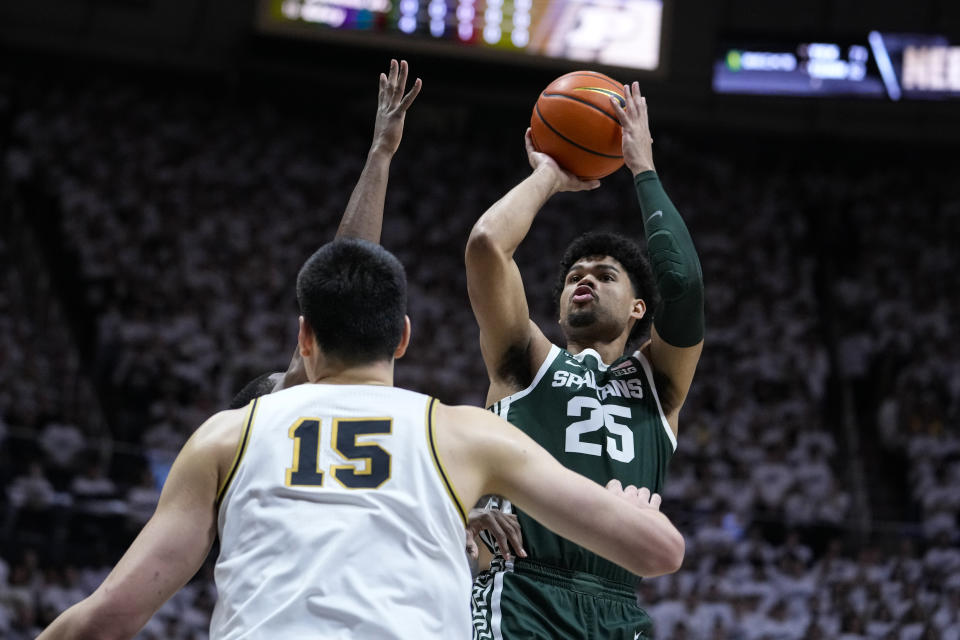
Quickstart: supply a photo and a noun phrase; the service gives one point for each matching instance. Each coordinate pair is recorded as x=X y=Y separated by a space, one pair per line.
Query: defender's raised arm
x=363 y=217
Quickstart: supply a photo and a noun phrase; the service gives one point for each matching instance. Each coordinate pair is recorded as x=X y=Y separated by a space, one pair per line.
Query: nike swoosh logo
x=575 y=363
x=656 y=213
x=636 y=635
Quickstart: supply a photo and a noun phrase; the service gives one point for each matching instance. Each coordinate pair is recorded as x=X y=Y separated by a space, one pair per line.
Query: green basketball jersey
x=602 y=422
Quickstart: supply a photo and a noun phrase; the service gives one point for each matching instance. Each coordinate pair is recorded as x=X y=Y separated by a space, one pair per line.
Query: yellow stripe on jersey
x=241 y=448
x=435 y=456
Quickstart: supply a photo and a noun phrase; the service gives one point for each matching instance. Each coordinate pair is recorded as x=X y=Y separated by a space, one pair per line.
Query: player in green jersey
x=602 y=409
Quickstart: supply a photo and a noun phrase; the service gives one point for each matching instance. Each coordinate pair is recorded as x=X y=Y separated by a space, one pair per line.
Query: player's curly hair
x=625 y=251
x=353 y=294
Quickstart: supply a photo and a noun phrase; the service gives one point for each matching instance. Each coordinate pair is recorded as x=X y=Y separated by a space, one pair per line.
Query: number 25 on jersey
x=601 y=416
x=371 y=466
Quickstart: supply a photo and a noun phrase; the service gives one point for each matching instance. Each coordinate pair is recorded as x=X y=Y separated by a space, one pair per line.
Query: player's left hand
x=392 y=107
x=637 y=141
x=504 y=527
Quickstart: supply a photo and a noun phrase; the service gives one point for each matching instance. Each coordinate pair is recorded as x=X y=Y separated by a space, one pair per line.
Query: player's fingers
x=592 y=184
x=510 y=518
x=411 y=95
x=511 y=523
x=516 y=540
x=500 y=536
x=528 y=141
x=618 y=110
x=635 y=95
x=401 y=85
x=641 y=101
x=628 y=99
x=643 y=494
x=394 y=69
x=655 y=501
x=630 y=491
x=477 y=521
x=615 y=486
x=633 y=101
x=383 y=84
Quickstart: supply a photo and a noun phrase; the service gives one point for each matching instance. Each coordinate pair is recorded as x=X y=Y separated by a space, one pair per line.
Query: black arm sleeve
x=679 y=320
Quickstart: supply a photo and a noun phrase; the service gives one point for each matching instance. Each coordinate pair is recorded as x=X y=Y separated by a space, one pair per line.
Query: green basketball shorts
x=537 y=602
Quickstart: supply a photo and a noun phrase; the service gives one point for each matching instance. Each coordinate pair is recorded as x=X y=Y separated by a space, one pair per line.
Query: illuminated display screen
x=881 y=65
x=614 y=33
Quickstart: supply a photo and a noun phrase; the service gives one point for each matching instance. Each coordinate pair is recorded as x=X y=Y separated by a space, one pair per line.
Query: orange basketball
x=574 y=123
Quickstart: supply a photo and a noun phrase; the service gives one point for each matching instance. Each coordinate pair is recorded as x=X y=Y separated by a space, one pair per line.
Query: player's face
x=597 y=299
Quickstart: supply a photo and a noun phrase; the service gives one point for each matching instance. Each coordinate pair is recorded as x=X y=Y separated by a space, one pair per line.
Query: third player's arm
x=493 y=278
x=363 y=217
x=485 y=454
x=678 y=326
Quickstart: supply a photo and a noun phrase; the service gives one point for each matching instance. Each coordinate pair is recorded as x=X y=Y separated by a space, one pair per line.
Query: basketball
x=574 y=123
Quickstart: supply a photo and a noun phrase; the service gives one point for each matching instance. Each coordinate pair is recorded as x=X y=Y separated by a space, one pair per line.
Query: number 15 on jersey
x=371 y=463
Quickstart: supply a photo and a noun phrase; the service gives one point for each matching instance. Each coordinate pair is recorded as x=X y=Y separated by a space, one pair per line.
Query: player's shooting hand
x=563 y=180
x=504 y=527
x=392 y=105
x=639 y=497
x=637 y=141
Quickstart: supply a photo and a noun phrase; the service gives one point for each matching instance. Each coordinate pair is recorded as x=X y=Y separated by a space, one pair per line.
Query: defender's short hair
x=259 y=386
x=353 y=294
x=628 y=253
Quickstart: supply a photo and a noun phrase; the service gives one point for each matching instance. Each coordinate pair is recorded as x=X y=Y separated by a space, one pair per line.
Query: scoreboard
x=887 y=66
x=616 y=33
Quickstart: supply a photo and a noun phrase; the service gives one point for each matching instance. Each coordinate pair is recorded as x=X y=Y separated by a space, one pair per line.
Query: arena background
x=167 y=167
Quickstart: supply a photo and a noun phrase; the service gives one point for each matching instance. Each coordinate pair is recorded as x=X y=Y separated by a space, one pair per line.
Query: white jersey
x=338 y=521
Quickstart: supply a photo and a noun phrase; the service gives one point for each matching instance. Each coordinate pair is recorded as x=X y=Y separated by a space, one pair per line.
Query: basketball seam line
x=581 y=101
x=566 y=139
x=596 y=77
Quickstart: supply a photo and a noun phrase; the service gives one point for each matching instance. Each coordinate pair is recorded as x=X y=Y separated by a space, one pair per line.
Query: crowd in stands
x=181 y=219
x=899 y=298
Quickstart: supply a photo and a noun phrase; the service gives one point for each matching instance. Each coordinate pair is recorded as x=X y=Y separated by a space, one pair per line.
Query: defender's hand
x=392 y=106
x=562 y=180
x=504 y=527
x=637 y=141
x=638 y=497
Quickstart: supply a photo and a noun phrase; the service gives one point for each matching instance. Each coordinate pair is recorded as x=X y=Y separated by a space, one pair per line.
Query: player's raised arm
x=363 y=217
x=678 y=325
x=171 y=547
x=499 y=302
x=485 y=454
